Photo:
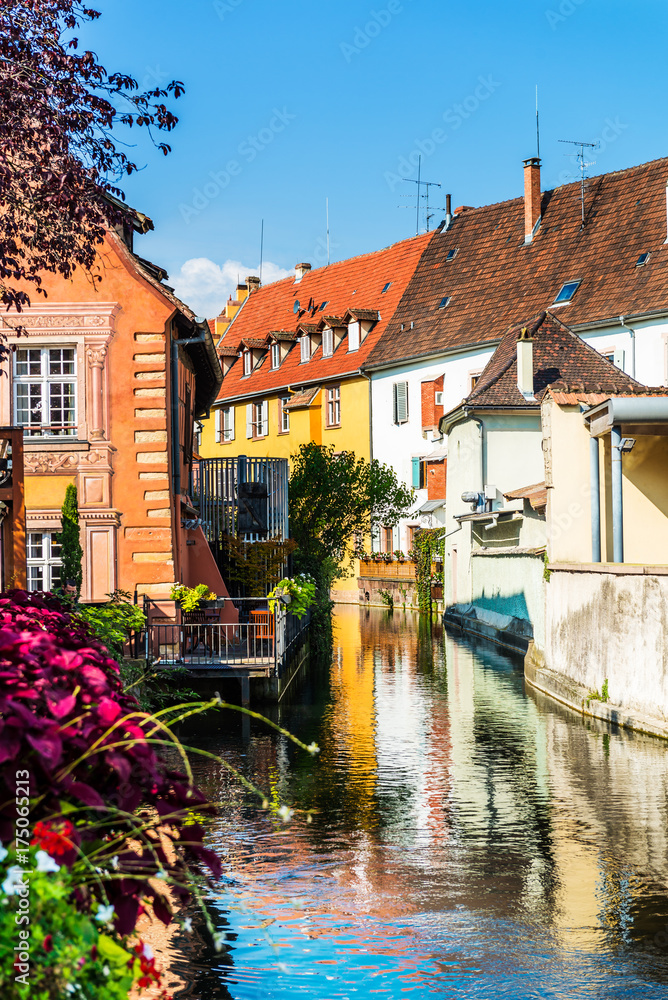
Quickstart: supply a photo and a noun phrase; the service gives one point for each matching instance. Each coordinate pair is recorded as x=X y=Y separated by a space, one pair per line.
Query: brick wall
x=431 y=413
x=436 y=472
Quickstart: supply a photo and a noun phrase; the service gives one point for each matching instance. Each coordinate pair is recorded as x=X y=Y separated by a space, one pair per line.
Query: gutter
x=464 y=348
x=280 y=388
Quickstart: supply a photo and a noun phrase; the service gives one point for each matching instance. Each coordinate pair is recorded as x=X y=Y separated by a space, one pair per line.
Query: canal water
x=457 y=836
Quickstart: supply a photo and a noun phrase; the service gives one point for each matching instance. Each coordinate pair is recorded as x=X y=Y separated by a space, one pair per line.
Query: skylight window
x=566 y=292
x=642 y=259
x=323 y=304
x=385 y=287
x=444 y=301
x=451 y=254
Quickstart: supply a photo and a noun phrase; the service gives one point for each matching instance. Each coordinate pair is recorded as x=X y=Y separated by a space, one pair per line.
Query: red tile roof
x=300 y=399
x=535 y=494
x=341 y=286
x=559 y=357
x=494 y=273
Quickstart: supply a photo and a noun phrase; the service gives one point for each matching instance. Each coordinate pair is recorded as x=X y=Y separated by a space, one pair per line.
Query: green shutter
x=415 y=463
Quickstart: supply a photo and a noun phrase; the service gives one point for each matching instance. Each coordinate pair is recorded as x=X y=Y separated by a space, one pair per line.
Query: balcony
x=395 y=570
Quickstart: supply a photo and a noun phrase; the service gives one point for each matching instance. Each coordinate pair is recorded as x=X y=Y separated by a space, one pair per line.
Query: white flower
x=45 y=862
x=13 y=881
x=105 y=970
x=285 y=813
x=3 y=852
x=114 y=862
x=188 y=925
x=313 y=748
x=71 y=988
x=105 y=913
x=148 y=952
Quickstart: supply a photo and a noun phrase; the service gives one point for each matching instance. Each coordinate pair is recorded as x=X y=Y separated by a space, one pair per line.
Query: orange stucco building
x=106 y=380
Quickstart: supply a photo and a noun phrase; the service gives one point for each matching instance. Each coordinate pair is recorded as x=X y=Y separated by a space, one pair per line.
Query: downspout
x=617 y=505
x=594 y=479
x=368 y=378
x=632 y=364
x=481 y=434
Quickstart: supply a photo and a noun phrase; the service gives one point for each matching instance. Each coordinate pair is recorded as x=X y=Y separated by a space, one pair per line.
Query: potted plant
x=194 y=598
x=298 y=592
x=378 y=557
x=364 y=556
x=387 y=556
x=399 y=555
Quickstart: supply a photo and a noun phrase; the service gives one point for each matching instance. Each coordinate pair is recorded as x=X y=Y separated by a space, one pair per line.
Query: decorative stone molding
x=53 y=462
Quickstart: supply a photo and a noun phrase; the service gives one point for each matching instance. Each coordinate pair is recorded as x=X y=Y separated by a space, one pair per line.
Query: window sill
x=55 y=444
x=282 y=433
x=332 y=427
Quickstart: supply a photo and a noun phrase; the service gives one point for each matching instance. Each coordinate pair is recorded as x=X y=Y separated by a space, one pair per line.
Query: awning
x=430 y=506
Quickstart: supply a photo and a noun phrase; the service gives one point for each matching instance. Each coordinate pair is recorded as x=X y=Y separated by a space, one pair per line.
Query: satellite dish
x=296 y=307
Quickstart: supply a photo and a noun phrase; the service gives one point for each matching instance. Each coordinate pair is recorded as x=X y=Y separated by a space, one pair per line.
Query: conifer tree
x=71 y=551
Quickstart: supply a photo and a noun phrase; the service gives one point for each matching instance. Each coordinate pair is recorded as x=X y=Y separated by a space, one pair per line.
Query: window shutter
x=400 y=402
x=618 y=358
x=415 y=469
x=249 y=420
x=229 y=434
x=265 y=416
x=353 y=336
x=219 y=424
x=305 y=347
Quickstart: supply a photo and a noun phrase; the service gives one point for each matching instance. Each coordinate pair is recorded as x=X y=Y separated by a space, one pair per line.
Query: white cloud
x=206 y=286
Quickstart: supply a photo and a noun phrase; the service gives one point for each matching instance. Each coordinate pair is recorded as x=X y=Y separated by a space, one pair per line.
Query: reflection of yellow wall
x=644 y=492
x=46 y=492
x=354 y=711
x=306 y=424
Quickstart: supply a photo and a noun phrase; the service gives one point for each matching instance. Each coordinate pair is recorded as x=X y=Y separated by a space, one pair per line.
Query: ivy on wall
x=426 y=542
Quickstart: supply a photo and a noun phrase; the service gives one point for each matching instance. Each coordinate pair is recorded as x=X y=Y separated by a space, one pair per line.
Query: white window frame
x=45 y=402
x=44 y=556
x=400 y=402
x=275 y=356
x=284 y=422
x=354 y=336
x=305 y=348
x=260 y=418
x=327 y=342
x=224 y=424
x=248 y=362
x=334 y=406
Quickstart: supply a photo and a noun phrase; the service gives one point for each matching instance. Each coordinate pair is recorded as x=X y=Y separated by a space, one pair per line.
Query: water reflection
x=467 y=839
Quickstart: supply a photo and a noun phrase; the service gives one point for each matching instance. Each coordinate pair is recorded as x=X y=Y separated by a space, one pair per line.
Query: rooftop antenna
x=420 y=183
x=537 y=127
x=327 y=213
x=261 y=248
x=437 y=208
x=580 y=156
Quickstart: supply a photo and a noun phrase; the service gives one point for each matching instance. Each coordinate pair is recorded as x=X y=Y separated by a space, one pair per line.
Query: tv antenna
x=579 y=154
x=261 y=248
x=426 y=185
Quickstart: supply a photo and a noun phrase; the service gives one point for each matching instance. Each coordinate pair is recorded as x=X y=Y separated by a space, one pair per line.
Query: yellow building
x=292 y=356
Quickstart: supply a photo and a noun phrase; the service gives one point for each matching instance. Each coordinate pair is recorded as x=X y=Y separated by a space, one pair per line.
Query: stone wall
x=607 y=622
x=511 y=584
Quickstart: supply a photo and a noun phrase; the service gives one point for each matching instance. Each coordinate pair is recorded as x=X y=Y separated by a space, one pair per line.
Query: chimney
x=525 y=362
x=300 y=271
x=531 y=197
x=448 y=212
x=253 y=283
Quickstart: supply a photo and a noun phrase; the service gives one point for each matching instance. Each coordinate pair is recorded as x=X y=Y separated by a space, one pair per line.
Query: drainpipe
x=481 y=433
x=632 y=360
x=594 y=479
x=176 y=450
x=368 y=378
x=617 y=506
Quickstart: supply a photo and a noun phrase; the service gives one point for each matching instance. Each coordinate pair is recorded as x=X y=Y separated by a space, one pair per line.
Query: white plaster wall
x=614 y=626
x=511 y=585
x=650 y=346
x=396 y=444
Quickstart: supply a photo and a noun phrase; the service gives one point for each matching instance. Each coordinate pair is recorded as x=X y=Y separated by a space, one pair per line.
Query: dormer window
x=566 y=292
x=275 y=355
x=248 y=362
x=305 y=348
x=354 y=335
x=327 y=342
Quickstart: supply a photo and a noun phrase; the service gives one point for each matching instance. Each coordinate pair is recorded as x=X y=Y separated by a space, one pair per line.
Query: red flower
x=47 y=943
x=53 y=838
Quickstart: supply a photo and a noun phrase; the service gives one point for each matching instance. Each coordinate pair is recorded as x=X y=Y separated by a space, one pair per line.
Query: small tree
x=71 y=552
x=334 y=497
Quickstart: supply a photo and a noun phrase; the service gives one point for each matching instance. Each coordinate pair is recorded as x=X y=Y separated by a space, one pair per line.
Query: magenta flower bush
x=94 y=759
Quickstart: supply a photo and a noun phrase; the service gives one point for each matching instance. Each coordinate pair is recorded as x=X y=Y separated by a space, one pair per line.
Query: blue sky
x=288 y=104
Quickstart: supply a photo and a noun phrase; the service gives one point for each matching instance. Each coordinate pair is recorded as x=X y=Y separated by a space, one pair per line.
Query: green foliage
x=256 y=566
x=70 y=540
x=426 y=542
x=69 y=953
x=157 y=688
x=332 y=499
x=112 y=622
x=301 y=591
x=386 y=598
x=547 y=573
x=190 y=597
x=605 y=694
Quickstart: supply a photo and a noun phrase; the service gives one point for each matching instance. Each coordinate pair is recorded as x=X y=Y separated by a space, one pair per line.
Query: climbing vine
x=426 y=542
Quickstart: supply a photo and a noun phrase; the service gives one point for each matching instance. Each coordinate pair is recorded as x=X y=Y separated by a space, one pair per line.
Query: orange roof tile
x=340 y=286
